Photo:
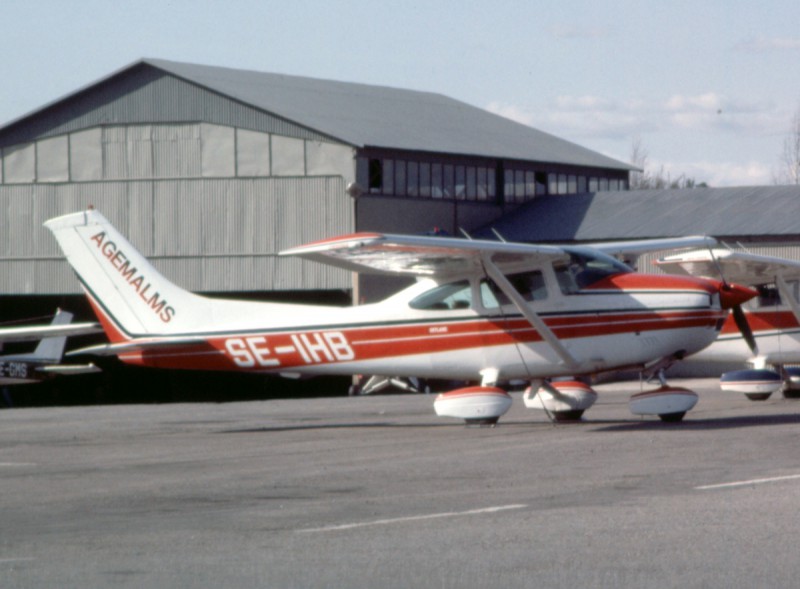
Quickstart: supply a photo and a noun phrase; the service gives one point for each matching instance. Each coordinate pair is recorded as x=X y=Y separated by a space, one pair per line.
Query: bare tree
x=638 y=180
x=789 y=168
x=646 y=180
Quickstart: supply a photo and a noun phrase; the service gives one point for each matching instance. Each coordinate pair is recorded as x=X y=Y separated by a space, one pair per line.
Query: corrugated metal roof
x=376 y=116
x=641 y=214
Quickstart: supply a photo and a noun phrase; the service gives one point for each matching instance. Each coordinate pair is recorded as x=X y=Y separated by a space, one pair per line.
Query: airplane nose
x=732 y=295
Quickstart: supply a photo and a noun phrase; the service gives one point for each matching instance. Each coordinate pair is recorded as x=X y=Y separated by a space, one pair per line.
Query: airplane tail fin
x=51 y=349
x=131 y=298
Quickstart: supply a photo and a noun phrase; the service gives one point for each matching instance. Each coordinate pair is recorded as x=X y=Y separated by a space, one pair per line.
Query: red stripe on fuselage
x=336 y=344
x=632 y=281
x=113 y=334
x=763 y=321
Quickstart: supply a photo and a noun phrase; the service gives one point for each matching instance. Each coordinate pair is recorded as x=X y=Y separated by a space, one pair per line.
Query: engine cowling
x=480 y=405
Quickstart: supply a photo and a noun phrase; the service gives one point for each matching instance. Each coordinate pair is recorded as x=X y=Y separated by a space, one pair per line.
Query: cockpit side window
x=530 y=285
x=451 y=296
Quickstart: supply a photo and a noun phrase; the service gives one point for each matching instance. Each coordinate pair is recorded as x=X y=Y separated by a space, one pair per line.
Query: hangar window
x=572 y=184
x=427 y=179
x=541 y=183
x=461 y=182
x=472 y=183
x=530 y=184
x=388 y=176
x=412 y=179
x=400 y=178
x=375 y=175
x=437 y=188
x=424 y=179
x=449 y=181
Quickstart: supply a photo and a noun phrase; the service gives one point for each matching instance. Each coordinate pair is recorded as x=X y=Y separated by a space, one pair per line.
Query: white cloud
x=718 y=174
x=762 y=44
x=589 y=116
x=689 y=125
x=705 y=102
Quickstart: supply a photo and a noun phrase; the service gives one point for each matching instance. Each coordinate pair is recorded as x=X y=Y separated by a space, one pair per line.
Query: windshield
x=585 y=267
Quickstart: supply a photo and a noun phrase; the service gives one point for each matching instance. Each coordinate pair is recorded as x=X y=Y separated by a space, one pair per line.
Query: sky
x=707 y=88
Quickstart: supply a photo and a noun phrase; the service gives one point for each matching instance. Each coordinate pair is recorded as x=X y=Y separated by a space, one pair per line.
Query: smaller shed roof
x=643 y=214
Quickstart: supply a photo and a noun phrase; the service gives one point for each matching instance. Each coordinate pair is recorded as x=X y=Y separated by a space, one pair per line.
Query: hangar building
x=211 y=171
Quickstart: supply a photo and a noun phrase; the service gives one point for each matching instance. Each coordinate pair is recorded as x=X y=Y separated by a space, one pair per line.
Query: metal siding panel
x=52 y=159
x=252 y=153
x=115 y=153
x=207 y=235
x=86 y=155
x=218 y=151
x=177 y=151
x=139 y=154
x=19 y=162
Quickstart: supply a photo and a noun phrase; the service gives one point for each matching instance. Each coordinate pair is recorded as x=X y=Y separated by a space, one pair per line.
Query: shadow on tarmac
x=707 y=424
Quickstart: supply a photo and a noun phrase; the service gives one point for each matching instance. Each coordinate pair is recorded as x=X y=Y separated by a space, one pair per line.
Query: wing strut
x=522 y=306
x=787 y=295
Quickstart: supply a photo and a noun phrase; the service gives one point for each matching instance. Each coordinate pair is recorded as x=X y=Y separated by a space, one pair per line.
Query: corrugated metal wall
x=204 y=234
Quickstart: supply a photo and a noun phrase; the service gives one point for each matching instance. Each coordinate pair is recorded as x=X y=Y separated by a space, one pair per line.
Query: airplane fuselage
x=19 y=372
x=624 y=322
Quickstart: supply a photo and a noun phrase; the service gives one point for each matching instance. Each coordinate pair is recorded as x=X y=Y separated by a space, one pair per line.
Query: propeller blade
x=744 y=327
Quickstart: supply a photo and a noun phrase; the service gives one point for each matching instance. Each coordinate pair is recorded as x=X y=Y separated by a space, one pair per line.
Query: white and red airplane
x=479 y=311
x=766 y=333
x=45 y=360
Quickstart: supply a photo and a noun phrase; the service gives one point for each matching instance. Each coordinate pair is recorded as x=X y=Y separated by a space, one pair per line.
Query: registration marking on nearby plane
x=398 y=520
x=748 y=483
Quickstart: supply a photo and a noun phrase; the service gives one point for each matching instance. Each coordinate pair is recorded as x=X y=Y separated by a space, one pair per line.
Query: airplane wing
x=378 y=253
x=36 y=332
x=738 y=267
x=643 y=246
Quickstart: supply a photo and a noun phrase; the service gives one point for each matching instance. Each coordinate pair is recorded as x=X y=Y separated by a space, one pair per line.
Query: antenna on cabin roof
x=498 y=236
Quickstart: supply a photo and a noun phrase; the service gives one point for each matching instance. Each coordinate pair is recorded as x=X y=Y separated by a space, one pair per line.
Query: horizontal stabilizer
x=136 y=346
x=69 y=369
